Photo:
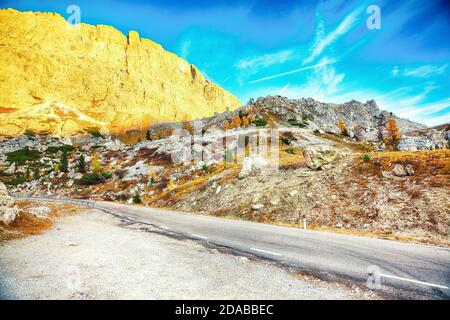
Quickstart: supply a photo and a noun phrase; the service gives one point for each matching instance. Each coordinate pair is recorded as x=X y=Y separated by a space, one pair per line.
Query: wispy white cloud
x=395 y=71
x=323 y=62
x=425 y=71
x=323 y=40
x=265 y=60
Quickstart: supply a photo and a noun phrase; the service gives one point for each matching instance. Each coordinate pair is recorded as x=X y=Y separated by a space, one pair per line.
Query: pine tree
x=64 y=162
x=148 y=136
x=96 y=166
x=393 y=135
x=81 y=164
x=36 y=173
x=343 y=128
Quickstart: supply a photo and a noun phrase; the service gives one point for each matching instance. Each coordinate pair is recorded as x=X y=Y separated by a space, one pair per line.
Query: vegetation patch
x=63 y=148
x=259 y=122
x=22 y=156
x=94 y=178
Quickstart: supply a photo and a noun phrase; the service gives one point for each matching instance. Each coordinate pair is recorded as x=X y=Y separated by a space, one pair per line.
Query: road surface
x=395 y=269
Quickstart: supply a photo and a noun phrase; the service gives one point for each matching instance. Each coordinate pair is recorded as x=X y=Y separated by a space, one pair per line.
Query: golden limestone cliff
x=62 y=79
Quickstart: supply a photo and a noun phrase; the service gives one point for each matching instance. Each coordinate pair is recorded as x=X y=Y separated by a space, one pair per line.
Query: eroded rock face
x=8 y=213
x=319 y=156
x=94 y=76
x=421 y=143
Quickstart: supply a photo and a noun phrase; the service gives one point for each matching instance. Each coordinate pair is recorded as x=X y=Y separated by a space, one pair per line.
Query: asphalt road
x=326 y=255
x=394 y=269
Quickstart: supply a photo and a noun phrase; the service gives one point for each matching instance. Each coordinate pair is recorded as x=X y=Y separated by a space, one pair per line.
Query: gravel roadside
x=94 y=256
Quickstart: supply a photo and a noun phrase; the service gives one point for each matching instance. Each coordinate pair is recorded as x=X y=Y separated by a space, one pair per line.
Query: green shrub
x=259 y=122
x=366 y=158
x=23 y=155
x=120 y=173
x=205 y=167
x=15 y=181
x=63 y=148
x=286 y=140
x=300 y=124
x=95 y=178
x=123 y=197
x=137 y=198
x=95 y=132
x=29 y=133
x=290 y=150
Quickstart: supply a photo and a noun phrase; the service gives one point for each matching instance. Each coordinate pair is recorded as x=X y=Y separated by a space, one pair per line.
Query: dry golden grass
x=434 y=164
x=338 y=141
x=27 y=224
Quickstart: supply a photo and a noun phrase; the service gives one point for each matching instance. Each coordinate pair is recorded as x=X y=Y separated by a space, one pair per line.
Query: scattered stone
x=399 y=170
x=293 y=193
x=409 y=170
x=257 y=206
x=318 y=156
x=10 y=170
x=339 y=225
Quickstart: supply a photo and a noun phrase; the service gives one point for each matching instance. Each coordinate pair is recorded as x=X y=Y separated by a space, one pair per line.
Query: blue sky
x=318 y=49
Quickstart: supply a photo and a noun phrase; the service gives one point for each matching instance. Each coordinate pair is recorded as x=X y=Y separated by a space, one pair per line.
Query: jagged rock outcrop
x=8 y=213
x=62 y=79
x=364 y=121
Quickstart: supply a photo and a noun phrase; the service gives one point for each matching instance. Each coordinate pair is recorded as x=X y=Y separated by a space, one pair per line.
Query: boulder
x=254 y=165
x=399 y=171
x=402 y=171
x=8 y=213
x=317 y=157
x=40 y=212
x=409 y=170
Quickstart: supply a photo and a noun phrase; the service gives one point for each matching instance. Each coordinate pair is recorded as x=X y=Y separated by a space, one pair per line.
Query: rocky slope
x=61 y=79
x=364 y=121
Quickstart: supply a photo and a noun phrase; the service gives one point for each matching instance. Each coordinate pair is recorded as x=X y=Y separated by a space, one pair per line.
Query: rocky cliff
x=364 y=121
x=62 y=79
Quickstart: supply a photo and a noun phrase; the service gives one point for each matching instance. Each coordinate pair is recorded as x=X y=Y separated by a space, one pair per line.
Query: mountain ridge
x=83 y=76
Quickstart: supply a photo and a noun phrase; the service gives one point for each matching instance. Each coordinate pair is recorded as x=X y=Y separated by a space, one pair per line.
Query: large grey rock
x=319 y=156
x=8 y=213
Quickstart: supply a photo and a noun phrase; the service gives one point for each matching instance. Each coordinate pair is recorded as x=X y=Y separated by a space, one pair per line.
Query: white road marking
x=199 y=236
x=164 y=227
x=264 y=251
x=413 y=281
